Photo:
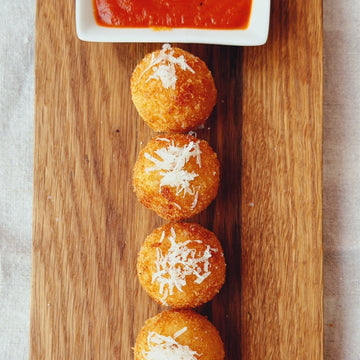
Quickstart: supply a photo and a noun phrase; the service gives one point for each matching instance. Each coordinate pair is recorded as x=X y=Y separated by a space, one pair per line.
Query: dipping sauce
x=200 y=14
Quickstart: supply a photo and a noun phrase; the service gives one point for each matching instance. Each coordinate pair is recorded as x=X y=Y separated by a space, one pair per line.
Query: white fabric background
x=341 y=176
x=16 y=173
x=341 y=203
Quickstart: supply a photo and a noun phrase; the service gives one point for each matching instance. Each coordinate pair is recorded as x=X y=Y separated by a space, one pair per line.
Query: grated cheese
x=177 y=205
x=180 y=332
x=171 y=166
x=192 y=133
x=180 y=262
x=163 y=67
x=194 y=203
x=162 y=139
x=167 y=348
x=162 y=237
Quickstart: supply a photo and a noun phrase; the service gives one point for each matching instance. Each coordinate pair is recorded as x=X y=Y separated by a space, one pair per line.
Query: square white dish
x=255 y=34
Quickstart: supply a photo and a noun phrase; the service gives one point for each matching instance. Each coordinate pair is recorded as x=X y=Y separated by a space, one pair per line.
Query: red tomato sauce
x=203 y=14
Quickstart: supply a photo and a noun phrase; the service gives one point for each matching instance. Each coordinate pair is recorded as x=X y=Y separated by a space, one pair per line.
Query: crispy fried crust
x=201 y=336
x=165 y=200
x=183 y=108
x=193 y=294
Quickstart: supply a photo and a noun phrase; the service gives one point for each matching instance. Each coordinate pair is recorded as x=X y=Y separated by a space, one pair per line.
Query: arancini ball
x=181 y=335
x=176 y=175
x=173 y=90
x=181 y=265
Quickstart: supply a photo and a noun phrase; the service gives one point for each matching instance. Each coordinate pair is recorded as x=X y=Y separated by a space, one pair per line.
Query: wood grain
x=282 y=276
x=88 y=226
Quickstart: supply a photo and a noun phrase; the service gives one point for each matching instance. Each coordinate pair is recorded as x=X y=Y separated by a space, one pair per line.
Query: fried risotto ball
x=173 y=90
x=178 y=334
x=176 y=175
x=181 y=265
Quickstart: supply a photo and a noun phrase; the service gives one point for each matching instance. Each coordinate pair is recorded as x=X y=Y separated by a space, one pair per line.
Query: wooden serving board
x=88 y=226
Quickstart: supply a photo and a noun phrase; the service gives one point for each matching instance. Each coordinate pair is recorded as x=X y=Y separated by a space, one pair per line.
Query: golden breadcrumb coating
x=188 y=332
x=173 y=90
x=176 y=175
x=181 y=265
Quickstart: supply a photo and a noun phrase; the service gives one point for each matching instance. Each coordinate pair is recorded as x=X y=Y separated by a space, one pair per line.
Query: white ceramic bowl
x=256 y=33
